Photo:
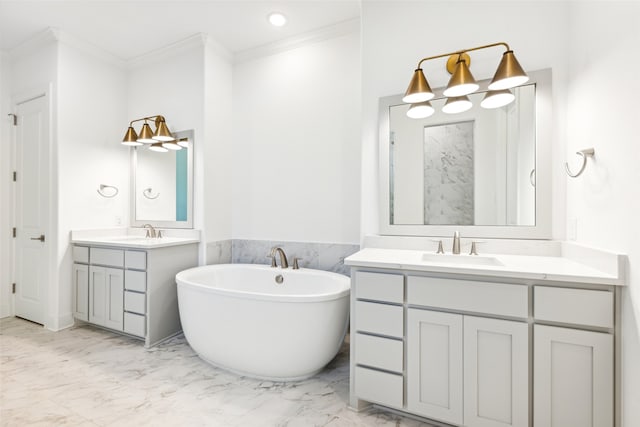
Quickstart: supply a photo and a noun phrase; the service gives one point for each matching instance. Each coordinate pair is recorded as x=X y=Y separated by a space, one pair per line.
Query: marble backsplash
x=320 y=256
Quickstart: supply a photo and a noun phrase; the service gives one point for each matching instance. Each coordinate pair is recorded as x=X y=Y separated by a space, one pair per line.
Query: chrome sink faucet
x=283 y=258
x=456 y=243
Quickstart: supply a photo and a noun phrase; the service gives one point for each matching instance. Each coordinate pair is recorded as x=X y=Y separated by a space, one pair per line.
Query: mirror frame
x=542 y=227
x=166 y=224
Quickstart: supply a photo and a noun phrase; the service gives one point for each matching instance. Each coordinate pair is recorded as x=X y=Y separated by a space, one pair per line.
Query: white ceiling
x=128 y=29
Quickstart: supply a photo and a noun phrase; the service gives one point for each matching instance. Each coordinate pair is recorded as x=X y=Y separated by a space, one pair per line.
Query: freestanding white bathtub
x=237 y=317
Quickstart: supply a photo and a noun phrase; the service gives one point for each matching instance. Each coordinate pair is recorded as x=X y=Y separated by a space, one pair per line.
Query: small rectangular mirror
x=162 y=185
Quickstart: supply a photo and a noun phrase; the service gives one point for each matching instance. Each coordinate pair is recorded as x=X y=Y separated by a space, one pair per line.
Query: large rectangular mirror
x=483 y=172
x=162 y=185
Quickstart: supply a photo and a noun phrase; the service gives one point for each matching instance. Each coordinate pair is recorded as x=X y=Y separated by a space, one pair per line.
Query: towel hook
x=147 y=193
x=587 y=152
x=104 y=194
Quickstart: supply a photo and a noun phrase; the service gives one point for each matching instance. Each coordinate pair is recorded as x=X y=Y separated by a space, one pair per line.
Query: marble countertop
x=134 y=238
x=552 y=268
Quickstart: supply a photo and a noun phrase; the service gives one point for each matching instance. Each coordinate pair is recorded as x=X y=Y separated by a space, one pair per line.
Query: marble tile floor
x=85 y=376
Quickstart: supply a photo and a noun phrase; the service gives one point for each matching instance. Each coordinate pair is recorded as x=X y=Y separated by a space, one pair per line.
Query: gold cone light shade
x=172 y=145
x=457 y=104
x=157 y=146
x=183 y=142
x=509 y=73
x=461 y=82
x=131 y=138
x=421 y=110
x=146 y=135
x=162 y=132
x=418 y=90
x=497 y=99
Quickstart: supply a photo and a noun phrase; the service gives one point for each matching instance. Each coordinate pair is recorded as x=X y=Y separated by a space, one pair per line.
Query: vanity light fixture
x=508 y=74
x=457 y=104
x=147 y=136
x=497 y=98
x=421 y=110
x=183 y=142
x=158 y=147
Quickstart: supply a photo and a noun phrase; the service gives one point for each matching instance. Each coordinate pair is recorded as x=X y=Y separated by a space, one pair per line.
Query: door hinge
x=14 y=232
x=13 y=288
x=15 y=176
x=15 y=119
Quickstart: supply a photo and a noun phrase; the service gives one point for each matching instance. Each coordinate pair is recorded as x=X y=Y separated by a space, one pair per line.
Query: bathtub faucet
x=283 y=258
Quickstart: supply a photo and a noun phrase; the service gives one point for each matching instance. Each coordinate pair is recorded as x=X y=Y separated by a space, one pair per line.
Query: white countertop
x=553 y=268
x=134 y=238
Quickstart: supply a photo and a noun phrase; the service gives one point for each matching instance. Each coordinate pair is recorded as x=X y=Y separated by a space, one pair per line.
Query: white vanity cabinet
x=129 y=290
x=485 y=351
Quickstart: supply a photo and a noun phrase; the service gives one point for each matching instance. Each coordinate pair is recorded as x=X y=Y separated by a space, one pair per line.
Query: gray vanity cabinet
x=130 y=290
x=485 y=352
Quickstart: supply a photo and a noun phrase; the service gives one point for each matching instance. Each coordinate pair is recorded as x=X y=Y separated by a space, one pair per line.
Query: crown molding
x=198 y=40
x=214 y=46
x=43 y=38
x=315 y=36
x=90 y=49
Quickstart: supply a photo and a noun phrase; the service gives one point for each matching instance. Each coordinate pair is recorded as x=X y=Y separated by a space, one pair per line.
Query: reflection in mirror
x=484 y=172
x=162 y=185
x=470 y=168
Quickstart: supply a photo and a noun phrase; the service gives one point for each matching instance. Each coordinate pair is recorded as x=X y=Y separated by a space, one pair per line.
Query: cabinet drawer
x=379 y=387
x=479 y=297
x=136 y=260
x=135 y=324
x=135 y=280
x=108 y=257
x=383 y=353
x=577 y=306
x=134 y=302
x=380 y=319
x=380 y=286
x=81 y=254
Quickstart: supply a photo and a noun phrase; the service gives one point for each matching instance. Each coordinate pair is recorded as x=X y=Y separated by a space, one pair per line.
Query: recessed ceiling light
x=277 y=19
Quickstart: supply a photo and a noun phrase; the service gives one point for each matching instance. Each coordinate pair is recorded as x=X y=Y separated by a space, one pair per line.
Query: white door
x=32 y=209
x=434 y=365
x=496 y=373
x=573 y=378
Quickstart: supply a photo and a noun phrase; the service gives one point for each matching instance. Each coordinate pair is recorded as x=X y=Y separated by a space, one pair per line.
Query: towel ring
x=104 y=194
x=147 y=193
x=587 y=152
x=532 y=177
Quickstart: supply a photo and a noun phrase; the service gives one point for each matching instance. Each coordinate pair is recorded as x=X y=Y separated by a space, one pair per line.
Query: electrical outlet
x=572 y=229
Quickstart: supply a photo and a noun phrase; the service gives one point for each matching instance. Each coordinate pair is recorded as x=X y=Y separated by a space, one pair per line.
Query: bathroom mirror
x=162 y=185
x=483 y=172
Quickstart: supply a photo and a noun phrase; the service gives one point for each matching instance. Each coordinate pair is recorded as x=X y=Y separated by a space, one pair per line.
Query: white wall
x=396 y=34
x=217 y=159
x=91 y=122
x=603 y=113
x=296 y=118
x=6 y=299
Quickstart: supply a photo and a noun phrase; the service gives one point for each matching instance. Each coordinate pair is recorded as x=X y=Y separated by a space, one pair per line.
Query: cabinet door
x=434 y=365
x=80 y=283
x=114 y=309
x=573 y=378
x=496 y=373
x=97 y=294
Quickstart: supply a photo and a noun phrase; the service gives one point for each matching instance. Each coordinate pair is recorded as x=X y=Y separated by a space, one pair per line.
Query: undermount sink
x=461 y=259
